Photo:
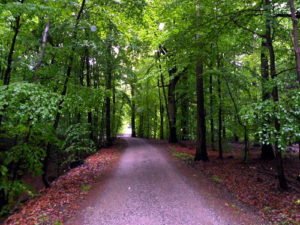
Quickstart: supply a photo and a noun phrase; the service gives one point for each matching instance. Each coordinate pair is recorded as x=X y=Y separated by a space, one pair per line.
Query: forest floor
x=254 y=183
x=151 y=182
x=54 y=205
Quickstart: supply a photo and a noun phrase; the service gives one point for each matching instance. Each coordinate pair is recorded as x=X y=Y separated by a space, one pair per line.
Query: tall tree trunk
x=89 y=85
x=211 y=106
x=108 y=86
x=161 y=113
x=6 y=79
x=43 y=47
x=7 y=72
x=162 y=80
x=114 y=123
x=133 y=111
x=224 y=126
x=246 y=144
x=147 y=113
x=220 y=124
x=102 y=126
x=81 y=81
x=172 y=105
x=154 y=126
x=295 y=36
x=267 y=152
x=141 y=125
x=244 y=126
x=275 y=96
x=185 y=109
x=201 y=152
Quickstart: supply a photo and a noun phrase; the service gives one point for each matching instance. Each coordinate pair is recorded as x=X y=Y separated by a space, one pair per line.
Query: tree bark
x=246 y=144
x=7 y=73
x=211 y=106
x=267 y=152
x=133 y=112
x=89 y=85
x=275 y=96
x=172 y=105
x=108 y=87
x=220 y=121
x=295 y=36
x=114 y=124
x=43 y=46
x=201 y=151
x=161 y=113
x=141 y=125
x=185 y=109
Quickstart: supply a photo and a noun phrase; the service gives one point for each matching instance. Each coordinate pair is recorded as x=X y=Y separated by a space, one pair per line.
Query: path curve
x=147 y=189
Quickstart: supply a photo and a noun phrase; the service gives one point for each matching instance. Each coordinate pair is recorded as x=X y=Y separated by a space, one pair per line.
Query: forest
x=75 y=73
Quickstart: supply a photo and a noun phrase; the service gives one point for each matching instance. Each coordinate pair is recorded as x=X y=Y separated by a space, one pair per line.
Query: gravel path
x=147 y=189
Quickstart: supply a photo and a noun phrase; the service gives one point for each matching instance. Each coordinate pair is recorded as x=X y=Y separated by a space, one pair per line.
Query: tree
x=201 y=152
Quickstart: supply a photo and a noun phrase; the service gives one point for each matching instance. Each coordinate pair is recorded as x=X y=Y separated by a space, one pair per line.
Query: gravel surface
x=147 y=189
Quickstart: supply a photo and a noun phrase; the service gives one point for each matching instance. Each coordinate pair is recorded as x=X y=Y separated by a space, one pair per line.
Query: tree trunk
x=275 y=96
x=3 y=199
x=81 y=81
x=6 y=79
x=201 y=152
x=114 y=124
x=43 y=47
x=295 y=36
x=161 y=113
x=88 y=84
x=185 y=109
x=141 y=125
x=7 y=72
x=108 y=86
x=211 y=106
x=246 y=144
x=267 y=152
x=224 y=126
x=133 y=111
x=102 y=127
x=220 y=124
x=246 y=137
x=172 y=105
x=147 y=112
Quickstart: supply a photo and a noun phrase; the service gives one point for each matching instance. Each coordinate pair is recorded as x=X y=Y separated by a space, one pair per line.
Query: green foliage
x=25 y=103
x=27 y=110
x=286 y=111
x=77 y=143
x=27 y=157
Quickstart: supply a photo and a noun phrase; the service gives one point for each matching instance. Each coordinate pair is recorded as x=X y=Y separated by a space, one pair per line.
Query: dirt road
x=148 y=189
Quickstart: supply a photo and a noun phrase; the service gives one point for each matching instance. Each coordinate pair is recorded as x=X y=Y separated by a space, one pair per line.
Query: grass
x=182 y=156
x=217 y=179
x=43 y=219
x=85 y=187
